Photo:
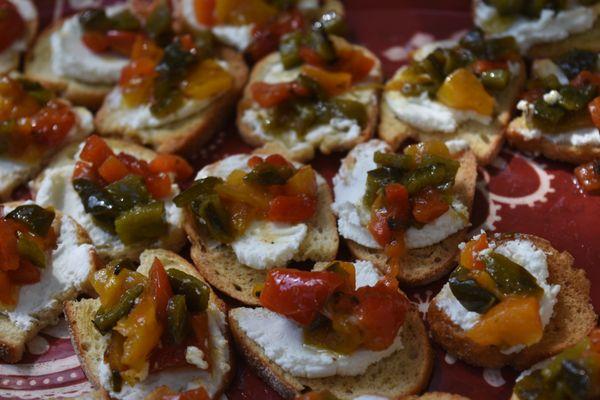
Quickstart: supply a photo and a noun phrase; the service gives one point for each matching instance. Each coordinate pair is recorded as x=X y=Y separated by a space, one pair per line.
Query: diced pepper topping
x=161 y=289
x=588 y=176
x=462 y=90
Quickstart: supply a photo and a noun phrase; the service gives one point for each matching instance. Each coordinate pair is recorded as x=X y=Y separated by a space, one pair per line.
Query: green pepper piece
x=142 y=222
x=29 y=249
x=6 y=129
x=129 y=192
x=391 y=160
x=158 y=24
x=205 y=44
x=177 y=318
x=36 y=90
x=547 y=114
x=289 y=50
x=322 y=333
x=350 y=109
x=510 y=277
x=319 y=42
x=94 y=20
x=96 y=200
x=195 y=291
x=332 y=23
x=125 y=21
x=420 y=178
x=500 y=48
x=496 y=79
x=197 y=189
x=269 y=174
x=211 y=214
x=37 y=219
x=575 y=379
x=572 y=99
x=377 y=179
x=105 y=320
x=468 y=293
x=116 y=381
x=507 y=7
x=474 y=41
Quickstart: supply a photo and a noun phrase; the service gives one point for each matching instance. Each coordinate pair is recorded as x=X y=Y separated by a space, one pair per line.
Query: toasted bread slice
x=90 y=345
x=427 y=264
x=220 y=266
x=573 y=318
x=17 y=172
x=55 y=185
x=484 y=140
x=405 y=372
x=301 y=150
x=435 y=396
x=39 y=306
x=10 y=58
x=555 y=151
x=588 y=40
x=38 y=67
x=181 y=136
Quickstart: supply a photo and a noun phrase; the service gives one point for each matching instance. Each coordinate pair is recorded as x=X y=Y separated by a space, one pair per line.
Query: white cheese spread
x=551 y=26
x=72 y=59
x=195 y=356
x=529 y=257
x=429 y=115
x=63 y=277
x=264 y=244
x=181 y=379
x=349 y=186
x=282 y=340
x=543 y=68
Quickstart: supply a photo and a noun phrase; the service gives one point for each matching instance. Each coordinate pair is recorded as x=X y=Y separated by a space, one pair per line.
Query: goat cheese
x=524 y=253
x=543 y=68
x=72 y=59
x=63 y=277
x=195 y=356
x=551 y=25
x=282 y=340
x=349 y=186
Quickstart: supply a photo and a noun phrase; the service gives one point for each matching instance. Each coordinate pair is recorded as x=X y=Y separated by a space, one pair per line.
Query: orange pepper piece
x=462 y=90
x=467 y=255
x=332 y=82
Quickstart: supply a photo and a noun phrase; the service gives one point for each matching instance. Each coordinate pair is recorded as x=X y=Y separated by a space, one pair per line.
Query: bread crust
x=221 y=268
x=306 y=153
x=38 y=67
x=435 y=396
x=405 y=372
x=31 y=31
x=573 y=318
x=83 y=333
x=485 y=140
x=185 y=136
x=428 y=264
x=13 y=338
x=560 y=152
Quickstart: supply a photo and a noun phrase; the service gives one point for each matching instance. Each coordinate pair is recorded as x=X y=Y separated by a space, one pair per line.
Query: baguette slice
x=427 y=264
x=220 y=266
x=38 y=67
x=484 y=140
x=10 y=58
x=186 y=135
x=573 y=318
x=301 y=150
x=405 y=372
x=13 y=337
x=90 y=345
x=107 y=244
x=555 y=151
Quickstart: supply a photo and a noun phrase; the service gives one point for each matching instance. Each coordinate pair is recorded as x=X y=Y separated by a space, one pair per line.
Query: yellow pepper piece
x=242 y=12
x=332 y=82
x=462 y=90
x=514 y=321
x=208 y=79
x=110 y=287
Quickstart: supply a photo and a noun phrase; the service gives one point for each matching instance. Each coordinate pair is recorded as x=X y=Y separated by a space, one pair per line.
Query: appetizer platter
x=299 y=199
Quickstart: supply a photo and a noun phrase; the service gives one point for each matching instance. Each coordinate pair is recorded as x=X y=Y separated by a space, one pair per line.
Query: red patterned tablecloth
x=518 y=193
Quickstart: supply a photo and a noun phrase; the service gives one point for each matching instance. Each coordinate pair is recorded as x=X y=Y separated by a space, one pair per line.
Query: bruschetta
x=18 y=24
x=255 y=26
x=174 y=99
x=319 y=92
x=560 y=111
x=461 y=92
x=405 y=212
x=249 y=213
x=513 y=300
x=541 y=28
x=81 y=56
x=121 y=193
x=47 y=259
x=575 y=372
x=34 y=125
x=343 y=327
x=154 y=331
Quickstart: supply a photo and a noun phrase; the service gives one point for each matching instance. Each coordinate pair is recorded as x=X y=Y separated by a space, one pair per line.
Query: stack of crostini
x=104 y=114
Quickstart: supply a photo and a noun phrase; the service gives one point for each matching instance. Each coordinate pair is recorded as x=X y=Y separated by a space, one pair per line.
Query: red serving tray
x=518 y=193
